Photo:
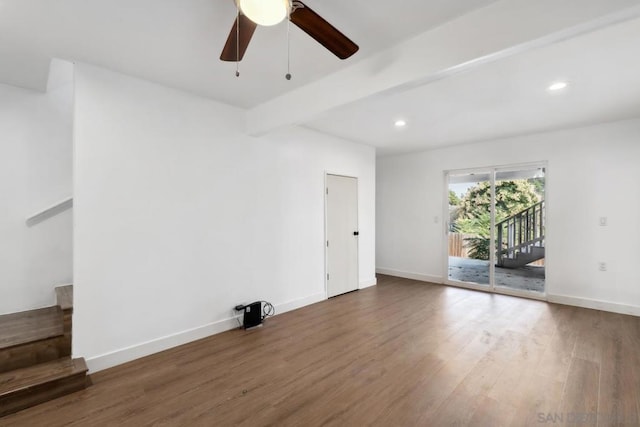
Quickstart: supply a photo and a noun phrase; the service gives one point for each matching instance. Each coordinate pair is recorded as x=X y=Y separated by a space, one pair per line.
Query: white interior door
x=342 y=234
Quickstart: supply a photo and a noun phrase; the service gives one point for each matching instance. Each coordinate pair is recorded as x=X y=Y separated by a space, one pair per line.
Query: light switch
x=603 y=221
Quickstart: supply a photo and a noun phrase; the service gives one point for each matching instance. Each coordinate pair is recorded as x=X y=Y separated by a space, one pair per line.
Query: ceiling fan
x=252 y=13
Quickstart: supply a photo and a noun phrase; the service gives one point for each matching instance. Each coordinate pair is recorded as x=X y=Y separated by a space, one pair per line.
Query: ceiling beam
x=60 y=74
x=502 y=29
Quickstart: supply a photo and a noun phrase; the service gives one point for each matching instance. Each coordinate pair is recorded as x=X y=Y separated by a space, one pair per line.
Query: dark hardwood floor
x=403 y=353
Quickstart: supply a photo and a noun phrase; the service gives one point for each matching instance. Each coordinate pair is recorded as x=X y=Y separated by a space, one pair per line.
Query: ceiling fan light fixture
x=265 y=12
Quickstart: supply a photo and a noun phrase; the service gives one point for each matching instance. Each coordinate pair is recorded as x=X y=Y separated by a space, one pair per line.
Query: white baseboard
x=127 y=354
x=408 y=275
x=368 y=283
x=299 y=303
x=595 y=304
x=558 y=299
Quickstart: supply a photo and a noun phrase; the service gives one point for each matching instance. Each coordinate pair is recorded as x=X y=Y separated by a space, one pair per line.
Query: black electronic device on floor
x=252 y=314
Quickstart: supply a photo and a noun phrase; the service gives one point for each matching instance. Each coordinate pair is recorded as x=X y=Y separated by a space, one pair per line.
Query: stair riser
x=536 y=253
x=29 y=354
x=519 y=262
x=35 y=350
x=26 y=398
x=66 y=320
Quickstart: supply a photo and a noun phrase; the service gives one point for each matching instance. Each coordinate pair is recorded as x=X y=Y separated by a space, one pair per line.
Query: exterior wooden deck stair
x=35 y=355
x=520 y=238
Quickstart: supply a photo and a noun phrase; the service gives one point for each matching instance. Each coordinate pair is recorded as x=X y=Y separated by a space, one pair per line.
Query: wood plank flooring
x=403 y=353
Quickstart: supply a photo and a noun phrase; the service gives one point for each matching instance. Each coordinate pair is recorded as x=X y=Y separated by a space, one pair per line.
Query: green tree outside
x=473 y=215
x=454 y=200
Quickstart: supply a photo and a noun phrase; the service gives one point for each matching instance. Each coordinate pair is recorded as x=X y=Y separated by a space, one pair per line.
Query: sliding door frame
x=491 y=287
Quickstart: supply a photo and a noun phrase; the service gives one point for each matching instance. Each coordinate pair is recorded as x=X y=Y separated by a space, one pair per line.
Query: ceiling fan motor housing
x=265 y=12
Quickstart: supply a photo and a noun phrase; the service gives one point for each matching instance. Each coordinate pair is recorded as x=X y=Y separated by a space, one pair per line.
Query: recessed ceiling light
x=557 y=86
x=400 y=123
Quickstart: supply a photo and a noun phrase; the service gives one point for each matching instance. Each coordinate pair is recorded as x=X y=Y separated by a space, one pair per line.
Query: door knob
x=356 y=233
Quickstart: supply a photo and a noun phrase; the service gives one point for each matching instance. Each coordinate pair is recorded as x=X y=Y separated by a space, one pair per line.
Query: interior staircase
x=521 y=237
x=35 y=355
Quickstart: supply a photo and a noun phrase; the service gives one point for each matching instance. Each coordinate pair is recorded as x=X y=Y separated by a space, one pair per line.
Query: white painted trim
x=368 y=283
x=595 y=304
x=497 y=290
x=556 y=299
x=466 y=285
x=325 y=190
x=409 y=275
x=299 y=303
x=521 y=293
x=127 y=354
x=50 y=211
x=446 y=217
x=492 y=231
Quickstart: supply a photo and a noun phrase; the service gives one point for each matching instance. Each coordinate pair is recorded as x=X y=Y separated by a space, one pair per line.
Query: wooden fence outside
x=457 y=245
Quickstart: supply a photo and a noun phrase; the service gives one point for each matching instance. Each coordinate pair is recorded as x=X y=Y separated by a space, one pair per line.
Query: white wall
x=179 y=216
x=35 y=172
x=593 y=172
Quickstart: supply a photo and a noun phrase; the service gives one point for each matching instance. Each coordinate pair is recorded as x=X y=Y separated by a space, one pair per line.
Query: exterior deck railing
x=520 y=233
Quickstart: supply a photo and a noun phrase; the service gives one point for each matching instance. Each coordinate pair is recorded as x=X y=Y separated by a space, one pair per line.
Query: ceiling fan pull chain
x=238 y=41
x=288 y=75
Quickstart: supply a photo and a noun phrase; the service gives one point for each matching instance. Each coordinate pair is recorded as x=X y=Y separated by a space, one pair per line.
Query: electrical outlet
x=602 y=266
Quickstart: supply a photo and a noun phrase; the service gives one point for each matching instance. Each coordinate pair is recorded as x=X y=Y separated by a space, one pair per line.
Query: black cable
x=267 y=310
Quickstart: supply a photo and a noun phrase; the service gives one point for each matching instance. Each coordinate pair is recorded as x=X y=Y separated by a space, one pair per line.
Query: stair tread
x=21 y=379
x=29 y=326
x=64 y=297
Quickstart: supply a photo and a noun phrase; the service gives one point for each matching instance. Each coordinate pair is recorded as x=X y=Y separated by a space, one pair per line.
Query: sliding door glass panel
x=469 y=227
x=520 y=229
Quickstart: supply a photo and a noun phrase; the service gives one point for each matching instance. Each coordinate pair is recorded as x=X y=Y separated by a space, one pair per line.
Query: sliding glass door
x=496 y=234
x=520 y=229
x=469 y=199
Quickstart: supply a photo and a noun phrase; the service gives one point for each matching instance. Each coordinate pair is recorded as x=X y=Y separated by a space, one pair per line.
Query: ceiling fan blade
x=231 y=47
x=323 y=32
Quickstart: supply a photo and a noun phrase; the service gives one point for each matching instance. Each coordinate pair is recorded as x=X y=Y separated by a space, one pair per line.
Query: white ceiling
x=178 y=42
x=504 y=98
